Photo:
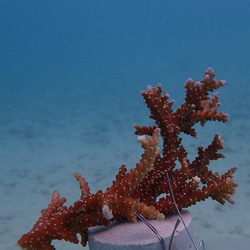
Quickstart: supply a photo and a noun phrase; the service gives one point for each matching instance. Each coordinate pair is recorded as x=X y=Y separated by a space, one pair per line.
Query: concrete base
x=127 y=236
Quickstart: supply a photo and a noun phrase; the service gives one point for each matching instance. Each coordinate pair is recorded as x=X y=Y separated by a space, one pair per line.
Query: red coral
x=138 y=190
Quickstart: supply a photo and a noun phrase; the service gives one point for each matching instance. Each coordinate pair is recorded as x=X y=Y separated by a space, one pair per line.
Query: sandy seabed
x=39 y=153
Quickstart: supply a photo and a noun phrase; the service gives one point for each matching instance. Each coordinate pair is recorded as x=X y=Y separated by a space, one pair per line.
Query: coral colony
x=138 y=191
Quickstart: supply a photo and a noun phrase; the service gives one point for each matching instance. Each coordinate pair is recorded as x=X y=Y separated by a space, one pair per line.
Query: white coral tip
x=107 y=212
x=196 y=179
x=141 y=138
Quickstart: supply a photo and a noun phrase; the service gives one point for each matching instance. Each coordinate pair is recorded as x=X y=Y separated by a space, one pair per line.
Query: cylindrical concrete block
x=127 y=236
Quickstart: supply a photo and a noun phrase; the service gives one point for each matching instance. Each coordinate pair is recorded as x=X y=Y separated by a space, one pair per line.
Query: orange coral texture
x=137 y=191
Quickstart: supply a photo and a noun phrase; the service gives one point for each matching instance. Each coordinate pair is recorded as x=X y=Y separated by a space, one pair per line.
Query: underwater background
x=71 y=73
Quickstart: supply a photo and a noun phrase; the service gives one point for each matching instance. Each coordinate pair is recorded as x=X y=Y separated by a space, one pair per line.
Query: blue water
x=71 y=73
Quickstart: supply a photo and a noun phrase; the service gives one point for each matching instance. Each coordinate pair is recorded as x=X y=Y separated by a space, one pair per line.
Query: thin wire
x=202 y=245
x=144 y=220
x=172 y=235
x=177 y=209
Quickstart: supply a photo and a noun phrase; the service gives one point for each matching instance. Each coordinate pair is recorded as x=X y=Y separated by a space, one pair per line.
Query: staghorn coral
x=137 y=191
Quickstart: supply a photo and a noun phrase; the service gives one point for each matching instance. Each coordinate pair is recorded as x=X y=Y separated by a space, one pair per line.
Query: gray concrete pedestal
x=127 y=236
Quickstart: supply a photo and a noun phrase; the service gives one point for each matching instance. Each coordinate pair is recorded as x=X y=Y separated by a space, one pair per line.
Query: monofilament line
x=144 y=220
x=178 y=211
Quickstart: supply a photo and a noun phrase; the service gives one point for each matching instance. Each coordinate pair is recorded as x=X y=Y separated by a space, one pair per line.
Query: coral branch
x=138 y=191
